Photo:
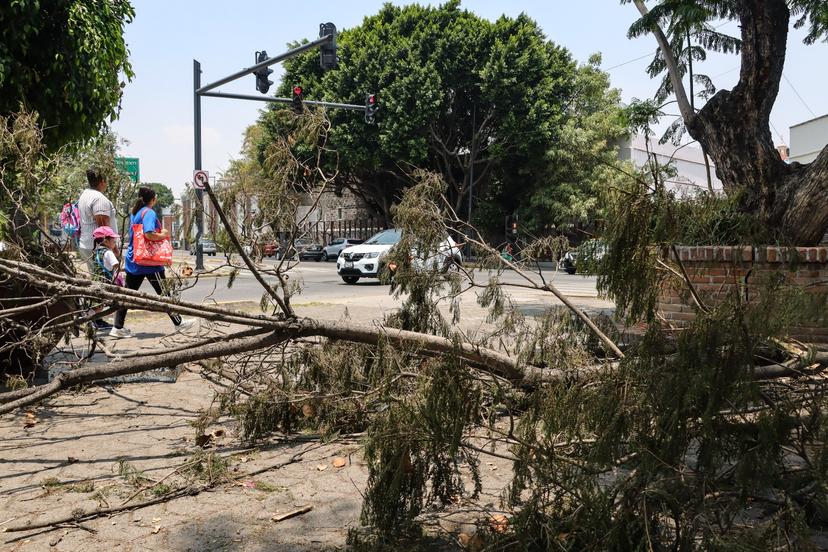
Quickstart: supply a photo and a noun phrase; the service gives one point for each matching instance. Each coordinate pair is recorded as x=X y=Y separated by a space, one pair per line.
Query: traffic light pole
x=197 y=163
x=206 y=90
x=231 y=96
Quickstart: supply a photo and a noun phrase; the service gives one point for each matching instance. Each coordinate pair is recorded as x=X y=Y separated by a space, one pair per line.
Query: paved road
x=322 y=285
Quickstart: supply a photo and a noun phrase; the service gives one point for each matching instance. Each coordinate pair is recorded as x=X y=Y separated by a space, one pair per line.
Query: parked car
x=333 y=249
x=208 y=247
x=366 y=260
x=313 y=252
x=269 y=249
x=285 y=249
x=585 y=257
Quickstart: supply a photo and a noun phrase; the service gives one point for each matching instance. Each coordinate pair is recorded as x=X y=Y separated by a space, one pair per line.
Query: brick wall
x=718 y=272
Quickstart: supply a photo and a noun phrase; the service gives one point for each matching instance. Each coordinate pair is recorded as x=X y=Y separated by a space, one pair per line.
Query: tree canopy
x=67 y=60
x=455 y=90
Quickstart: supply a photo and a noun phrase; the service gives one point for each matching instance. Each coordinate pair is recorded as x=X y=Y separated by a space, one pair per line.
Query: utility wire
x=654 y=52
x=798 y=96
x=631 y=61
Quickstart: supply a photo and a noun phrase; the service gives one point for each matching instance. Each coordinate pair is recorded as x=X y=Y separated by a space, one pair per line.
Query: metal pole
x=269 y=61
x=471 y=169
x=197 y=163
x=270 y=99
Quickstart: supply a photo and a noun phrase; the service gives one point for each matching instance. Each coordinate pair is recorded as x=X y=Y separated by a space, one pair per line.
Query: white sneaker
x=186 y=324
x=118 y=333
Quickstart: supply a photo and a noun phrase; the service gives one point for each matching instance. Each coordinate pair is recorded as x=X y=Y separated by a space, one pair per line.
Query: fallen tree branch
x=189 y=490
x=89 y=374
x=286 y=308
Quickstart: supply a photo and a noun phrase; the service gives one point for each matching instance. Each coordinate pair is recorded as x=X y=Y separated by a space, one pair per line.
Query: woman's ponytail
x=145 y=195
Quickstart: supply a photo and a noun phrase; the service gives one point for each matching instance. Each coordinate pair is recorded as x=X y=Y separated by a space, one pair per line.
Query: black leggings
x=134 y=281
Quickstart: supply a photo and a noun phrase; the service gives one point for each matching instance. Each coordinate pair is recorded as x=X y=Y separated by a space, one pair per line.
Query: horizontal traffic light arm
x=266 y=63
x=280 y=100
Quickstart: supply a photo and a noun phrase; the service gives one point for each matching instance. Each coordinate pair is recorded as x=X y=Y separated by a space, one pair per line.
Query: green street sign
x=129 y=165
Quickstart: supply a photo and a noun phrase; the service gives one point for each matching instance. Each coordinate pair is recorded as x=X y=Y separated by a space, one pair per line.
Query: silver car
x=208 y=247
x=331 y=251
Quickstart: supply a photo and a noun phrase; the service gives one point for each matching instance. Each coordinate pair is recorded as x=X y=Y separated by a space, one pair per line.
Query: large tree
x=456 y=91
x=65 y=59
x=733 y=126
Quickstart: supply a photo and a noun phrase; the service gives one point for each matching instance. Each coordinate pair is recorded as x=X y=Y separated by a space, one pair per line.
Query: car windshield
x=386 y=237
x=337 y=242
x=207 y=242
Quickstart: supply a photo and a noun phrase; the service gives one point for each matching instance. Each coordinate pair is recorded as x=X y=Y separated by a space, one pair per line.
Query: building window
x=339 y=214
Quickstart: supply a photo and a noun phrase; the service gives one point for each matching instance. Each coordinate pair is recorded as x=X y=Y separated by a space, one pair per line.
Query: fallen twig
x=189 y=490
x=294 y=513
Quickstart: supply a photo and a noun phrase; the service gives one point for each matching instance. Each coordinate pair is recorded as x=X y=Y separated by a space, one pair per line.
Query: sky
x=157 y=108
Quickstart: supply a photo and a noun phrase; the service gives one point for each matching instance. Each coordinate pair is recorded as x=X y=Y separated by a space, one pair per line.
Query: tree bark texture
x=734 y=130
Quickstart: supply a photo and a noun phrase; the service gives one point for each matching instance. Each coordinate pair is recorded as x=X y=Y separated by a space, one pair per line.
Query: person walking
x=143 y=213
x=95 y=210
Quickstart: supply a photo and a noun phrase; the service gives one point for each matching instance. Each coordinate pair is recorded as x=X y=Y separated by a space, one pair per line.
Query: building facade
x=808 y=139
x=688 y=162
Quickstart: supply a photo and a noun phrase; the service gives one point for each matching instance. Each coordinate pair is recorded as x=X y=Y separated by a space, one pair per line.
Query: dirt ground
x=105 y=445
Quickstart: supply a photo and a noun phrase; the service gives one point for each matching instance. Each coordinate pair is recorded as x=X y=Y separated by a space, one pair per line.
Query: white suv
x=365 y=260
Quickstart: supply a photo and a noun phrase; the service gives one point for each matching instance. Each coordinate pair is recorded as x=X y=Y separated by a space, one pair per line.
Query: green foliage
x=437 y=70
x=164 y=196
x=670 y=451
x=580 y=164
x=64 y=59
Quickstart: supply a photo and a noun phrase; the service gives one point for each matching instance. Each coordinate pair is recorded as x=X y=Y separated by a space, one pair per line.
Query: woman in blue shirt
x=142 y=213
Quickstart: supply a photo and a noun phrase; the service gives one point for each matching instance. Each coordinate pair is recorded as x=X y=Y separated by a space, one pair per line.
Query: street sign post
x=130 y=166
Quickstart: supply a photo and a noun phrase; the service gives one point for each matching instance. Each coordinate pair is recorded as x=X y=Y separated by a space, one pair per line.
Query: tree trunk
x=734 y=130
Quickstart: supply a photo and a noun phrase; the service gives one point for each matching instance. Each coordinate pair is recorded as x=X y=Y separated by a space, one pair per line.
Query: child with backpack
x=107 y=267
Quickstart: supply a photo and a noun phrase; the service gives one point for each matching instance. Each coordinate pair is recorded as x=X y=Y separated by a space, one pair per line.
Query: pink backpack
x=70 y=220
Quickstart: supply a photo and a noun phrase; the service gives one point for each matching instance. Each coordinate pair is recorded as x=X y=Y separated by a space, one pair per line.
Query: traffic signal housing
x=262 y=81
x=371 y=107
x=297 y=100
x=327 y=51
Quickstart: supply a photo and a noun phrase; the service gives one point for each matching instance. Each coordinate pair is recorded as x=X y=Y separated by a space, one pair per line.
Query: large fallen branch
x=92 y=373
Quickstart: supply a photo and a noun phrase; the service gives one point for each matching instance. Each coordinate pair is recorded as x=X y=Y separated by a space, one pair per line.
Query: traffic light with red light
x=297 y=100
x=371 y=107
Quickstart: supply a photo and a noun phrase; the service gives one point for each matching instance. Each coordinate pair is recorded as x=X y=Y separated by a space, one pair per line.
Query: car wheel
x=570 y=270
x=350 y=279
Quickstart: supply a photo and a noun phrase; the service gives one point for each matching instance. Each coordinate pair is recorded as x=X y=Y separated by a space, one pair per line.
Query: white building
x=688 y=162
x=808 y=139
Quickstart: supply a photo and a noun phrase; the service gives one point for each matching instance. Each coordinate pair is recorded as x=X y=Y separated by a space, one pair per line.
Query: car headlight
x=372 y=255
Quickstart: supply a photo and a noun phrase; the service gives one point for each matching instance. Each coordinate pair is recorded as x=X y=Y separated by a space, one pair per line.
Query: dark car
x=285 y=249
x=313 y=252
